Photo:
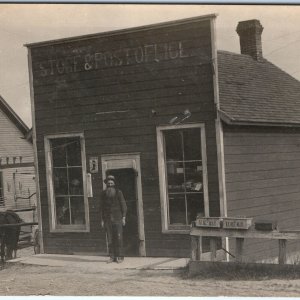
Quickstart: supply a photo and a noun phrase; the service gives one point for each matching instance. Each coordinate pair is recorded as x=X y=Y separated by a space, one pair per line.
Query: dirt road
x=24 y=280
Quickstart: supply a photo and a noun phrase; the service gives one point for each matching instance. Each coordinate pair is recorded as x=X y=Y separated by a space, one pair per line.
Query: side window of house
x=67 y=182
x=183 y=167
x=2 y=203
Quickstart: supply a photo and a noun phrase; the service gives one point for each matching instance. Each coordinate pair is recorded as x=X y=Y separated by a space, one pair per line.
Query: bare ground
x=24 y=280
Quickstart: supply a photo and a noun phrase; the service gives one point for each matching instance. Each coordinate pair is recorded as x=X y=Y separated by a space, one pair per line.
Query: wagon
x=29 y=230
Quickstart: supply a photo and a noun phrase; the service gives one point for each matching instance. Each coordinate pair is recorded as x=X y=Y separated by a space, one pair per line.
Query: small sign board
x=89 y=185
x=208 y=222
x=93 y=164
x=237 y=223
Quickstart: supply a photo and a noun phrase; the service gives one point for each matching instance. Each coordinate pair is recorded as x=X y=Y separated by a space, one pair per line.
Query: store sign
x=226 y=223
x=120 y=57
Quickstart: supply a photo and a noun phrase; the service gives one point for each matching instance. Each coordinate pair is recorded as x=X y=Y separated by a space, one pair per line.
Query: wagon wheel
x=36 y=243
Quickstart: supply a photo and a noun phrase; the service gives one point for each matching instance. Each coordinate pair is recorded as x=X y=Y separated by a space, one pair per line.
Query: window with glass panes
x=2 y=202
x=184 y=178
x=67 y=181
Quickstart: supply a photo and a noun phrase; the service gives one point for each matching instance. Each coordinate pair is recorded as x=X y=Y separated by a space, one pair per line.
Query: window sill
x=70 y=229
x=185 y=230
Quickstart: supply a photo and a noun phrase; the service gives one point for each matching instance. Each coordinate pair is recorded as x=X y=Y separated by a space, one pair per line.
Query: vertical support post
x=15 y=189
x=239 y=244
x=282 y=252
x=199 y=248
x=213 y=248
x=194 y=246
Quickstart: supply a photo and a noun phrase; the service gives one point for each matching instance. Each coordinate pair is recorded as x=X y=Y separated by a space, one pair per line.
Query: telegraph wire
x=280 y=48
x=281 y=36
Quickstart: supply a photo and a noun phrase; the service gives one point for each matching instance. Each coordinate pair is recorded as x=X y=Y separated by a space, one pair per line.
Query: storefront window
x=183 y=180
x=67 y=182
x=2 y=202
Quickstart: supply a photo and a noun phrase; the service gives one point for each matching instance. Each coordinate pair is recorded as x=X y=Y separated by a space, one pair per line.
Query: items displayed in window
x=184 y=174
x=68 y=180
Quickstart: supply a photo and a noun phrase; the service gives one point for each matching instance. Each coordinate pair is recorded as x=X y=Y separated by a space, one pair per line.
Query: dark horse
x=9 y=235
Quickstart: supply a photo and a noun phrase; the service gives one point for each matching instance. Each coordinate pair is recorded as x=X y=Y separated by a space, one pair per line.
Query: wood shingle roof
x=256 y=92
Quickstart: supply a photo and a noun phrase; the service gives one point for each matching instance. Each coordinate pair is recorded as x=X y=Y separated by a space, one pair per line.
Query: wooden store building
x=186 y=129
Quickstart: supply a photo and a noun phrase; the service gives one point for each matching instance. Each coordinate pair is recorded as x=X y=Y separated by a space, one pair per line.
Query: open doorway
x=126 y=182
x=126 y=169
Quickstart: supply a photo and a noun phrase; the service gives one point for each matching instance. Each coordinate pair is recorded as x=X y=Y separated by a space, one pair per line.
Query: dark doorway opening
x=126 y=182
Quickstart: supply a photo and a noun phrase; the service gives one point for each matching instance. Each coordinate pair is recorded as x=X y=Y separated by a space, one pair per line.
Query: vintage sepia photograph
x=149 y=150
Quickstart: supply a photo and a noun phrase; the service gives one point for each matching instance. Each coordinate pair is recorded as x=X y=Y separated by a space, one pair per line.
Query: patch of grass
x=246 y=272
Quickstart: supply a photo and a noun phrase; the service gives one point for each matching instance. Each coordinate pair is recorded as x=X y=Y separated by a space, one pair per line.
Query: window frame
x=2 y=188
x=54 y=227
x=161 y=155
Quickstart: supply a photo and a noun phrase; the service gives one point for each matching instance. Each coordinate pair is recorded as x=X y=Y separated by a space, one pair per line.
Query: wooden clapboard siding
x=19 y=190
x=262 y=167
x=14 y=145
x=133 y=118
x=149 y=94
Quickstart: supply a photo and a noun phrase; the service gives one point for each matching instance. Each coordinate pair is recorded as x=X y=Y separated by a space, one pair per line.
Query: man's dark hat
x=110 y=177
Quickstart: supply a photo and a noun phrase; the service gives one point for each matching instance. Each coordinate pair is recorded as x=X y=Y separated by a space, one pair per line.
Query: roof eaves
x=244 y=122
x=4 y=106
x=225 y=117
x=28 y=135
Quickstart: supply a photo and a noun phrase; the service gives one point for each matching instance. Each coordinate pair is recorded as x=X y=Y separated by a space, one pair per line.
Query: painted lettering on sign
x=55 y=66
x=244 y=223
x=121 y=57
x=208 y=222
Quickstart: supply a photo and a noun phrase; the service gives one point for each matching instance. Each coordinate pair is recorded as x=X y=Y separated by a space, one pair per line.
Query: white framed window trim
x=166 y=227
x=2 y=200
x=54 y=227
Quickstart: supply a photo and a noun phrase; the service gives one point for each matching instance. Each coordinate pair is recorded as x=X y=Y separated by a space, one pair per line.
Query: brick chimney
x=250 y=38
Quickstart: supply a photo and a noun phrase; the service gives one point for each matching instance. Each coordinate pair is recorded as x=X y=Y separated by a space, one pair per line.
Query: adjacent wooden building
x=187 y=130
x=17 y=173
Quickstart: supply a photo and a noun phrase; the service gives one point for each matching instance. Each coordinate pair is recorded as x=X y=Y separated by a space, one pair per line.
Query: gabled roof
x=257 y=92
x=13 y=116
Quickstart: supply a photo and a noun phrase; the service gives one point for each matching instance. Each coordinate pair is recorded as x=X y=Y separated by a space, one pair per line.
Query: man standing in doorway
x=113 y=214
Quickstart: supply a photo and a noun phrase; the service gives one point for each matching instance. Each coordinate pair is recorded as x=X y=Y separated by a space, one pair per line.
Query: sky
x=28 y=23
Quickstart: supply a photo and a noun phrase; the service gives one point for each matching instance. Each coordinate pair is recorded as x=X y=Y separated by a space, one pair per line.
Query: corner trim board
x=219 y=134
x=36 y=164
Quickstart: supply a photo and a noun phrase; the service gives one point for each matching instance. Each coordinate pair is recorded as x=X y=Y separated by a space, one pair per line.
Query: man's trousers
x=114 y=231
